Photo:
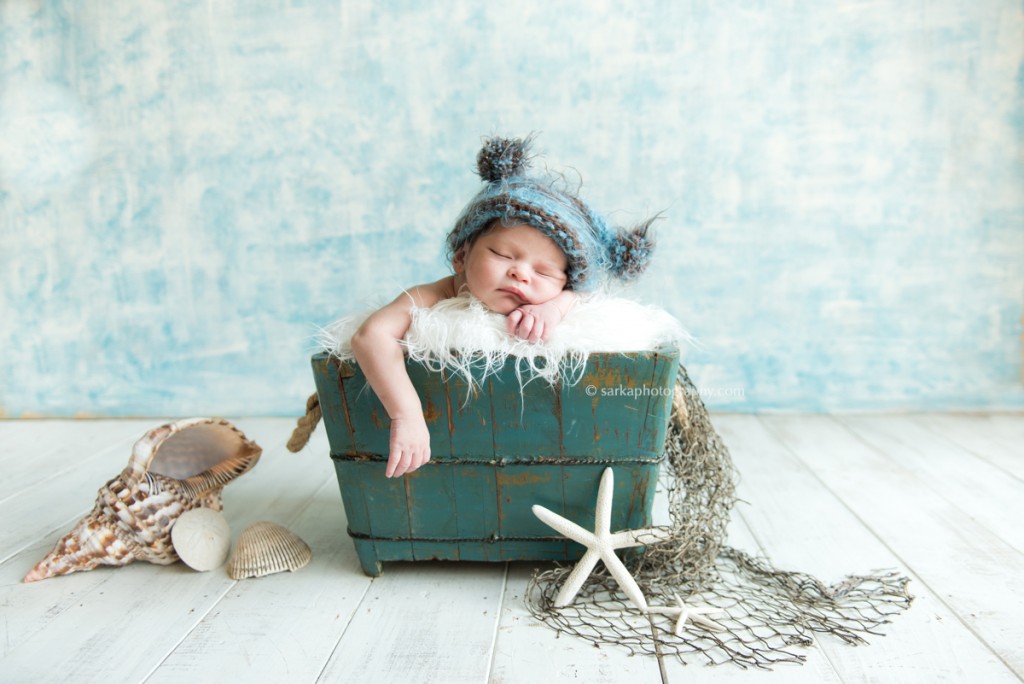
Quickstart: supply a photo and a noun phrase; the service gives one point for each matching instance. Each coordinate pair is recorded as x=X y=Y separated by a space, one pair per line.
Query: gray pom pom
x=501 y=158
x=631 y=251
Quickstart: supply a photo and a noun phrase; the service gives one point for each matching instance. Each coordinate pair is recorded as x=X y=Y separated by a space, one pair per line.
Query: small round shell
x=264 y=548
x=202 y=538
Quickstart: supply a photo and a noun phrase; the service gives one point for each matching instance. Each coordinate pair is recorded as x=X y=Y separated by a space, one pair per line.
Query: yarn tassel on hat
x=631 y=250
x=502 y=158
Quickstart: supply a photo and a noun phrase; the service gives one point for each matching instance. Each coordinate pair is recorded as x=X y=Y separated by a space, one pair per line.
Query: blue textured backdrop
x=188 y=188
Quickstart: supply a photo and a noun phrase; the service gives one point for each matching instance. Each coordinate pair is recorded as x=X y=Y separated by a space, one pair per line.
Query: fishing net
x=765 y=614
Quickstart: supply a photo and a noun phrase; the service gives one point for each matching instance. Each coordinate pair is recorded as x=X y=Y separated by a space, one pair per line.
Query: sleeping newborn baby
x=523 y=249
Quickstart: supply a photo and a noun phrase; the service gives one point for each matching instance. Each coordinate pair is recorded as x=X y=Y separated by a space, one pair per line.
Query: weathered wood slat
x=527 y=425
x=422 y=622
x=1009 y=426
x=471 y=423
x=430 y=496
x=960 y=562
x=24 y=439
x=62 y=445
x=526 y=651
x=802 y=525
x=972 y=484
x=988 y=439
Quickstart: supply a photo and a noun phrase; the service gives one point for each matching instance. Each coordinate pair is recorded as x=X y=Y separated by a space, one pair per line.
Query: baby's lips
x=514 y=292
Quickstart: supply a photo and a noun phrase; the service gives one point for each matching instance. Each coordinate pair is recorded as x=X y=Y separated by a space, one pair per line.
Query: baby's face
x=509 y=266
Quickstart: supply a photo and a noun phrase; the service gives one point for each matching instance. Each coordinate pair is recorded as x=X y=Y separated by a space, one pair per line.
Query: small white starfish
x=601 y=545
x=684 y=612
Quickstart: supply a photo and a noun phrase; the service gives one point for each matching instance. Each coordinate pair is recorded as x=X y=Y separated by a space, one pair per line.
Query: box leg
x=368 y=558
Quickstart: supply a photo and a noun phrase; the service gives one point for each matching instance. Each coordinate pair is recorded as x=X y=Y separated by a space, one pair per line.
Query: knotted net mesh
x=763 y=614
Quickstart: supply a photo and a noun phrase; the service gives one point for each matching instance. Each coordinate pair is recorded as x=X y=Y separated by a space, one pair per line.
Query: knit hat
x=591 y=247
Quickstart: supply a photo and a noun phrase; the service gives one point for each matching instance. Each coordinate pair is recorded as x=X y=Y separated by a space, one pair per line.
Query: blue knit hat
x=590 y=246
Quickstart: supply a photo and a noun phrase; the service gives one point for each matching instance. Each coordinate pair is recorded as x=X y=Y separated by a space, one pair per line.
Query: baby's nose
x=519 y=272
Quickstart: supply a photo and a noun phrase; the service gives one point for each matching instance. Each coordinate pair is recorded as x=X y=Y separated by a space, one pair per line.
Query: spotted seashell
x=264 y=548
x=173 y=468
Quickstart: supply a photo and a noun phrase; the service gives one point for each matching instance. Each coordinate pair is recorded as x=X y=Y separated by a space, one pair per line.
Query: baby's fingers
x=526 y=327
x=398 y=463
x=539 y=332
x=419 y=460
x=512 y=321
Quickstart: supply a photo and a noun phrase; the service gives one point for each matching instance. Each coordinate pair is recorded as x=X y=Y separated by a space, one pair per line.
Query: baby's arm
x=534 y=322
x=376 y=346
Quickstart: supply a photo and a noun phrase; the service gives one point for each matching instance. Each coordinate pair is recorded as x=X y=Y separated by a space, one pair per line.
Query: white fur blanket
x=460 y=335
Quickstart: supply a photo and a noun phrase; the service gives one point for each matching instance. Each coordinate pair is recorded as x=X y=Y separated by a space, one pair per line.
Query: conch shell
x=173 y=468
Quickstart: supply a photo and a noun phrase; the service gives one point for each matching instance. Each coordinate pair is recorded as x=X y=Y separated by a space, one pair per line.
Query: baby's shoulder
x=428 y=294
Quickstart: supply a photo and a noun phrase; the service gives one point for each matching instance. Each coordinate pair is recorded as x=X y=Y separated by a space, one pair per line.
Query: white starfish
x=601 y=545
x=683 y=612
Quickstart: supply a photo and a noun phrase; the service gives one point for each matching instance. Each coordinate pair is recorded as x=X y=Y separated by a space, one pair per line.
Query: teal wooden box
x=496 y=452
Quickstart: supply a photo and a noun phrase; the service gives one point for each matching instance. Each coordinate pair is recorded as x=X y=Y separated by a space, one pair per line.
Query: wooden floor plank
x=822 y=496
x=984 y=437
x=800 y=525
x=422 y=622
x=79 y=442
x=53 y=628
x=282 y=627
x=975 y=486
x=529 y=651
x=137 y=614
x=24 y=439
x=957 y=559
x=1009 y=426
x=55 y=442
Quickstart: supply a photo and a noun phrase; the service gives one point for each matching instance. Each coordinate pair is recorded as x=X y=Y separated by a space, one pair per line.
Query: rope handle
x=306 y=424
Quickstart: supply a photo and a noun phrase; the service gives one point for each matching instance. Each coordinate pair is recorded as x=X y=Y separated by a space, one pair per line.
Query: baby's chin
x=501 y=304
x=502 y=308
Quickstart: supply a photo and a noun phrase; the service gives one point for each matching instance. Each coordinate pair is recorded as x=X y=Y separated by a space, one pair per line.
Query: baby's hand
x=534 y=322
x=410 y=446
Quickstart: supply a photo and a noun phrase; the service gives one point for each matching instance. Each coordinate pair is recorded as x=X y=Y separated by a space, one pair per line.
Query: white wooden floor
x=940 y=497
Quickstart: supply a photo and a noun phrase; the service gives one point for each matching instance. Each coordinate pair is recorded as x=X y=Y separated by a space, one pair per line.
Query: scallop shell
x=173 y=468
x=202 y=538
x=264 y=548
